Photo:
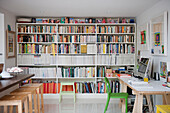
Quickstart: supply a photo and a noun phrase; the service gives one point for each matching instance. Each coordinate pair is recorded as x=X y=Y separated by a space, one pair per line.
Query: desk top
x=7 y=83
x=153 y=87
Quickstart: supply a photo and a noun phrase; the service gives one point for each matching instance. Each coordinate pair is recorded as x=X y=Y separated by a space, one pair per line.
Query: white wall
x=145 y=17
x=9 y=19
x=2 y=40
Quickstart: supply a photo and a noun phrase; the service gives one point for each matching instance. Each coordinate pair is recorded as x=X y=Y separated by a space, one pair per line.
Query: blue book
x=87 y=89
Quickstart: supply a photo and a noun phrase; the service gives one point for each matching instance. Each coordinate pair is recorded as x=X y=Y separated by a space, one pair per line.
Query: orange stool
x=29 y=92
x=39 y=87
x=11 y=100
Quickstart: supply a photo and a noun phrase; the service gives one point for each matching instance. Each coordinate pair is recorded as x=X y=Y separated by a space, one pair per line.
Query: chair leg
x=126 y=104
x=107 y=103
x=10 y=109
x=26 y=106
x=5 y=109
x=42 y=100
x=74 y=93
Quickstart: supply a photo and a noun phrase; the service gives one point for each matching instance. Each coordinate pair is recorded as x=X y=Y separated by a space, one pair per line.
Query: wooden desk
x=153 y=88
x=7 y=83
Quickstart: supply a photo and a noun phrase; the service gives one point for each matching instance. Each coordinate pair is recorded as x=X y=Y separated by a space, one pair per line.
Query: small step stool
x=163 y=108
x=67 y=92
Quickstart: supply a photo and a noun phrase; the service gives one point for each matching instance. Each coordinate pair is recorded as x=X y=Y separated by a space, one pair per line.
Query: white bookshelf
x=57 y=55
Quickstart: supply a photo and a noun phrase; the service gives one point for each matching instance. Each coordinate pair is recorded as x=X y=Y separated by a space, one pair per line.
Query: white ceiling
x=77 y=8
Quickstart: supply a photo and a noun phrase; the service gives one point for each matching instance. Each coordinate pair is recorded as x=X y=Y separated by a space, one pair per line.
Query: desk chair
x=114 y=95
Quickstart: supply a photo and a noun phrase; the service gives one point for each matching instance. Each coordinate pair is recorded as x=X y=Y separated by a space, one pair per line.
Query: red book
x=123 y=75
x=55 y=87
x=48 y=87
x=75 y=87
x=44 y=86
x=59 y=87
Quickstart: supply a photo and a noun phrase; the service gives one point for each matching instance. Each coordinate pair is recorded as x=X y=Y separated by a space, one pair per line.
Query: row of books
x=116 y=48
x=43 y=72
x=49 y=87
x=77 y=38
x=68 y=48
x=115 y=38
x=76 y=72
x=115 y=29
x=106 y=59
x=101 y=71
x=37 y=48
x=37 y=38
x=125 y=59
x=76 y=20
x=114 y=85
x=76 y=60
x=43 y=59
x=77 y=49
x=36 y=29
x=76 y=29
x=86 y=87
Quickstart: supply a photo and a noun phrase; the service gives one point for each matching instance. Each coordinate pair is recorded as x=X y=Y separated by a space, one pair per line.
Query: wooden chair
x=39 y=88
x=29 y=92
x=67 y=92
x=163 y=108
x=12 y=100
x=114 y=95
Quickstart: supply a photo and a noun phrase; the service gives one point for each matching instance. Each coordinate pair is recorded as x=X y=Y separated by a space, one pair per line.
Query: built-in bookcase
x=79 y=52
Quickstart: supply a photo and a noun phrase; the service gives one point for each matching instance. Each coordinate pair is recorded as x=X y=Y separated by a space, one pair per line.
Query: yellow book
x=104 y=48
x=83 y=48
x=53 y=49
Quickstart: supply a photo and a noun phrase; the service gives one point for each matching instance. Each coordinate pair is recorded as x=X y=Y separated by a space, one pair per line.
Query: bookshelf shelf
x=45 y=78
x=77 y=33
x=76 y=65
x=115 y=33
x=37 y=42
x=115 y=43
x=61 y=56
x=36 y=65
x=76 y=24
x=36 y=33
x=76 y=77
x=50 y=24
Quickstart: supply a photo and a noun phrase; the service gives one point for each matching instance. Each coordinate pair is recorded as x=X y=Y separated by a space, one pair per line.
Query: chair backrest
x=108 y=89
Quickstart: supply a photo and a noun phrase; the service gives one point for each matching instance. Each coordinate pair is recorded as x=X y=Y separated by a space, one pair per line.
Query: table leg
x=135 y=104
x=149 y=103
x=123 y=89
x=123 y=106
x=164 y=101
x=140 y=103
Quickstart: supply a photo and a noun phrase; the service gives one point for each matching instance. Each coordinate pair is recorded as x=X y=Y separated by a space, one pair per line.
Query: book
x=83 y=48
x=123 y=75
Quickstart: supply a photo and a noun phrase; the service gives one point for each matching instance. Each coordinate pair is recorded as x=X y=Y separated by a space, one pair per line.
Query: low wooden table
x=153 y=88
x=8 y=83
